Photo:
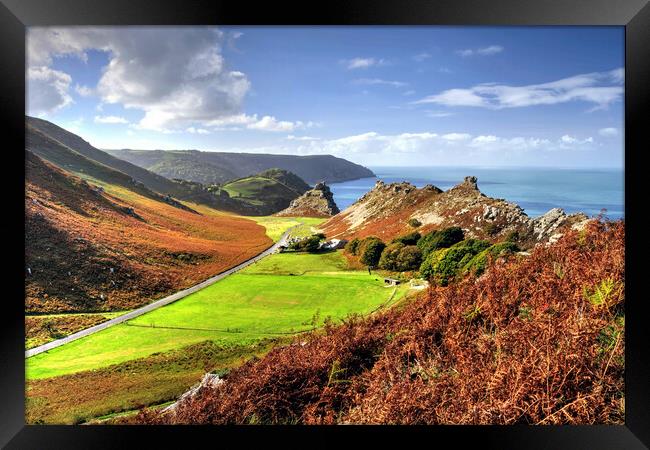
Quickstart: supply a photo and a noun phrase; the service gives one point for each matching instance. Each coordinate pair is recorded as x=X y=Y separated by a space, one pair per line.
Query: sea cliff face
x=389 y=210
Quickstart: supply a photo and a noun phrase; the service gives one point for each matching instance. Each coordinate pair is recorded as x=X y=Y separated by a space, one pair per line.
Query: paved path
x=158 y=303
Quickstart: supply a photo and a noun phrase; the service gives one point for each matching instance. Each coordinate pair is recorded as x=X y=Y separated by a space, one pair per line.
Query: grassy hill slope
x=268 y=192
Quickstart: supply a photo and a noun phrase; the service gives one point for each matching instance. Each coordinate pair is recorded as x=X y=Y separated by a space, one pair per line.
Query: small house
x=334 y=244
x=391 y=281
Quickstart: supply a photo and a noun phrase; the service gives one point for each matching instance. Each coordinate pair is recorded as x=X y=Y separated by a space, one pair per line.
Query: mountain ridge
x=311 y=168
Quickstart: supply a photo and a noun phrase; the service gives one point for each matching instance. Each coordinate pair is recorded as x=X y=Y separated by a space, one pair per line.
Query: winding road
x=158 y=303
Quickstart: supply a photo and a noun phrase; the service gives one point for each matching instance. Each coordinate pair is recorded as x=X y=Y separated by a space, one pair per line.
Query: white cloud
x=176 y=75
x=291 y=137
x=600 y=88
x=362 y=63
x=484 y=51
x=421 y=56
x=253 y=122
x=270 y=123
x=409 y=92
x=437 y=114
x=426 y=143
x=518 y=144
x=193 y=130
x=84 y=91
x=608 y=132
x=47 y=90
x=456 y=136
x=110 y=119
x=379 y=81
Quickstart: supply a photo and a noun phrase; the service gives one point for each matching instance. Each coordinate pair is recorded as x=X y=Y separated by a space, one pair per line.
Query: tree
x=388 y=259
x=409 y=258
x=440 y=239
x=400 y=258
x=442 y=265
x=408 y=239
x=371 y=253
x=353 y=246
x=309 y=244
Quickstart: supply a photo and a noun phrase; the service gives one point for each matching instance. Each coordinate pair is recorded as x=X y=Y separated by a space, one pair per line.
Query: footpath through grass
x=279 y=295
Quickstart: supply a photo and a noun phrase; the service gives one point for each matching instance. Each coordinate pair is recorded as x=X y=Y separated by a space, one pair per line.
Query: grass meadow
x=280 y=295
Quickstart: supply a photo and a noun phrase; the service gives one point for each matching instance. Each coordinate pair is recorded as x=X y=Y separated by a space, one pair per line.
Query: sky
x=377 y=96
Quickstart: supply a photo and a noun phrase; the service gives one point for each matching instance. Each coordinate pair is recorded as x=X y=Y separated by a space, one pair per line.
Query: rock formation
x=317 y=202
x=386 y=210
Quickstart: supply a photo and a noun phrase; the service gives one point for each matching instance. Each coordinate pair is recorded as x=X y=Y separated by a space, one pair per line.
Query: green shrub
x=427 y=268
x=371 y=249
x=513 y=236
x=309 y=244
x=478 y=263
x=440 y=239
x=414 y=223
x=491 y=229
x=352 y=246
x=400 y=257
x=443 y=267
x=408 y=239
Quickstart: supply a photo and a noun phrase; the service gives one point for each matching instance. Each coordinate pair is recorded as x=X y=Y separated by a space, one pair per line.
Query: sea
x=536 y=190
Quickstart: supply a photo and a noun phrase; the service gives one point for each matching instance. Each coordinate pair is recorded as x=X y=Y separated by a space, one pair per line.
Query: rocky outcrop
x=387 y=210
x=317 y=202
x=209 y=381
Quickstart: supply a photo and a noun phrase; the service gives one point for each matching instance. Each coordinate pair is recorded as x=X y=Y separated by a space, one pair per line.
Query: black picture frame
x=634 y=15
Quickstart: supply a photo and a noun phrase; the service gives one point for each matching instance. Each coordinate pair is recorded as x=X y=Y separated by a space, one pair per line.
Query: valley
x=100 y=244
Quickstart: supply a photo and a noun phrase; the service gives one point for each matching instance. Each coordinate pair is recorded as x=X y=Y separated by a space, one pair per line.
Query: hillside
x=215 y=167
x=187 y=165
x=317 y=202
x=115 y=246
x=71 y=153
x=267 y=192
x=77 y=144
x=492 y=350
x=390 y=210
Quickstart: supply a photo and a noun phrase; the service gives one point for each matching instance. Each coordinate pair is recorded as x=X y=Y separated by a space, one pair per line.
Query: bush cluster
x=399 y=257
x=440 y=239
x=309 y=244
x=408 y=239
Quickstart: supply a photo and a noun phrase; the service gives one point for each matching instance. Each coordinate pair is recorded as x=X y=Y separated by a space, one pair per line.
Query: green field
x=276 y=226
x=279 y=295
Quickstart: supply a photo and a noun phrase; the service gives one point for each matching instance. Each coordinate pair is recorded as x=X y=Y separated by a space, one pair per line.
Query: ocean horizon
x=535 y=189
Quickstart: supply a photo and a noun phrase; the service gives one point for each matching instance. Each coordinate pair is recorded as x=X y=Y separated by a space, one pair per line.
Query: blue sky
x=530 y=96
